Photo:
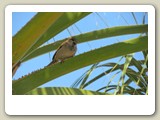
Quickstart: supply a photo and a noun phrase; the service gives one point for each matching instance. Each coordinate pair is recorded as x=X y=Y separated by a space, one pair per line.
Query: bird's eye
x=72 y=39
x=74 y=42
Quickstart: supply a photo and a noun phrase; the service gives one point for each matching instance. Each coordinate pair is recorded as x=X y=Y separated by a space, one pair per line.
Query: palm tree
x=27 y=44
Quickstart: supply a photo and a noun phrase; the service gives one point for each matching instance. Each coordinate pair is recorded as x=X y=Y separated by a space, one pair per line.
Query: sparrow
x=66 y=50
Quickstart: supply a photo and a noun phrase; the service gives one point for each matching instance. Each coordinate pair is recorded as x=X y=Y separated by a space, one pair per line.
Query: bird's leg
x=62 y=61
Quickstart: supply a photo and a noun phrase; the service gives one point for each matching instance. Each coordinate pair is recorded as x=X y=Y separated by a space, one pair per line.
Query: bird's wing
x=62 y=45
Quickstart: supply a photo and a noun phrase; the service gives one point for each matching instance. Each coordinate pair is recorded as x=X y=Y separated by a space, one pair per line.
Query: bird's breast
x=66 y=52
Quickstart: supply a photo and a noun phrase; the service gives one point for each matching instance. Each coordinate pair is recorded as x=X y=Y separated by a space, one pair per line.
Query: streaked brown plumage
x=66 y=50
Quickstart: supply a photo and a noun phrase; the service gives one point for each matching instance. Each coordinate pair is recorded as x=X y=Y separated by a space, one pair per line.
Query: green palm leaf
x=42 y=76
x=90 y=36
x=63 y=91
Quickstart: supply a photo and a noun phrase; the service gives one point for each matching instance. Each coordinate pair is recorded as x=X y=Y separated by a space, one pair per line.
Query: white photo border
x=69 y=104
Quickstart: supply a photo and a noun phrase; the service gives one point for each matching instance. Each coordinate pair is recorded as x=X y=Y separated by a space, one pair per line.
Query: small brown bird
x=66 y=50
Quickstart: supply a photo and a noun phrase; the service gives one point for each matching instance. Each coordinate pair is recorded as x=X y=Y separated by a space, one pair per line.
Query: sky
x=94 y=21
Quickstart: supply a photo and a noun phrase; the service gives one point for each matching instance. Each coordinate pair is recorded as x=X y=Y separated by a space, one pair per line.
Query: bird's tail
x=51 y=63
